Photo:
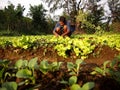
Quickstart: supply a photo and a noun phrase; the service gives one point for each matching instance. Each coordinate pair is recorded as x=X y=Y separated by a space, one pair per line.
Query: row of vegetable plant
x=82 y=45
x=25 y=72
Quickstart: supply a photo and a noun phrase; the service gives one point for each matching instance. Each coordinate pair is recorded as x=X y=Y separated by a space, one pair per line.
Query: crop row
x=25 y=72
x=82 y=45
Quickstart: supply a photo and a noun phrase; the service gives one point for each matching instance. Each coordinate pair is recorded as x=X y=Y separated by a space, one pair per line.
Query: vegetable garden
x=81 y=62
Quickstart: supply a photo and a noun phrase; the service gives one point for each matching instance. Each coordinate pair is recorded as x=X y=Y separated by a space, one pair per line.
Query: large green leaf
x=24 y=73
x=44 y=66
x=72 y=80
x=9 y=86
x=88 y=86
x=19 y=63
x=32 y=63
x=78 y=62
x=25 y=63
x=75 y=87
x=70 y=66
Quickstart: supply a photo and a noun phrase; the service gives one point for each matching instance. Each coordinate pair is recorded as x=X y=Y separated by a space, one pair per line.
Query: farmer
x=63 y=28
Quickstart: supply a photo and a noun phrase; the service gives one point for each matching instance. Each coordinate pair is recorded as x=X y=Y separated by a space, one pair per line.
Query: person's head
x=62 y=20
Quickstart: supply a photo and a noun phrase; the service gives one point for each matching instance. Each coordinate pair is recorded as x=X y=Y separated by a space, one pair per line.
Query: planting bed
x=50 y=81
x=50 y=63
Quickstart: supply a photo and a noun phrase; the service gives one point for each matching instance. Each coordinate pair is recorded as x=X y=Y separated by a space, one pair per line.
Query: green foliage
x=109 y=69
x=74 y=68
x=26 y=69
x=90 y=22
x=82 y=45
x=24 y=42
x=9 y=86
x=86 y=86
x=75 y=87
x=12 y=21
x=24 y=73
x=103 y=70
x=19 y=63
x=38 y=15
x=4 y=65
x=25 y=64
x=72 y=80
x=55 y=66
x=45 y=66
x=113 y=72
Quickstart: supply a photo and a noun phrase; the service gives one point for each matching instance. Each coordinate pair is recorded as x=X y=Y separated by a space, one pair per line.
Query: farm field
x=81 y=62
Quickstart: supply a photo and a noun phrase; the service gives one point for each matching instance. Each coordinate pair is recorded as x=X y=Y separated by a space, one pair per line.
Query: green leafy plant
x=110 y=69
x=86 y=86
x=26 y=69
x=4 y=64
x=102 y=70
x=23 y=42
x=9 y=86
x=72 y=82
x=74 y=68
x=45 y=66
x=113 y=69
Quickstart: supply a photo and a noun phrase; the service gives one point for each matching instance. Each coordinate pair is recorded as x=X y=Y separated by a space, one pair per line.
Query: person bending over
x=62 y=28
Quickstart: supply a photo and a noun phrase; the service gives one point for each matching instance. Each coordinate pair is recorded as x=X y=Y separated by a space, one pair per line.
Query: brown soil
x=100 y=54
x=97 y=58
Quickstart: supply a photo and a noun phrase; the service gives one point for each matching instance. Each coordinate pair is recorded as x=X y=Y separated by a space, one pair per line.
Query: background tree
x=38 y=14
x=10 y=16
x=71 y=7
x=114 y=17
x=96 y=12
x=14 y=16
x=12 y=21
x=2 y=20
x=114 y=6
x=91 y=18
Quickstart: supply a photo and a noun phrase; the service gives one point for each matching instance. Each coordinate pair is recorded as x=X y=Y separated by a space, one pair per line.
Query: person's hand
x=62 y=35
x=57 y=35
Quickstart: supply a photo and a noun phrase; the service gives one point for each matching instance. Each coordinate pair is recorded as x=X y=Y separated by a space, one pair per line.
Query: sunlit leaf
x=19 y=63
x=75 y=87
x=24 y=73
x=32 y=63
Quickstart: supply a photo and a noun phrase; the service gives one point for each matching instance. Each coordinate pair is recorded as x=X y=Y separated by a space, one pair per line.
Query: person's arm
x=54 y=32
x=68 y=29
x=66 y=33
